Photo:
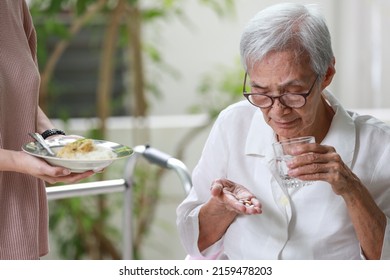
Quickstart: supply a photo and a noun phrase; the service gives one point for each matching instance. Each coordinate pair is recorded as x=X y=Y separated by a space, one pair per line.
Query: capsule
x=247 y=203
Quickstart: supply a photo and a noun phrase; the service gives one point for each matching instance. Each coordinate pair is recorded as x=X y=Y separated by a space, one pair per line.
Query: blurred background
x=158 y=72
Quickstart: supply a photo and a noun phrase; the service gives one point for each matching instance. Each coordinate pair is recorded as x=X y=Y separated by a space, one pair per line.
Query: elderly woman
x=238 y=209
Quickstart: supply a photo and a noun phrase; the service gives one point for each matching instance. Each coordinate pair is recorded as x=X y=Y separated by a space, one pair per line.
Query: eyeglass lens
x=288 y=99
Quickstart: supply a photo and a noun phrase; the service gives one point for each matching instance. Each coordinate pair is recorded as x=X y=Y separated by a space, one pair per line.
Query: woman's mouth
x=284 y=123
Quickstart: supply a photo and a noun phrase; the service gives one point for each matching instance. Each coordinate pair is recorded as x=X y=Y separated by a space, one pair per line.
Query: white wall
x=360 y=41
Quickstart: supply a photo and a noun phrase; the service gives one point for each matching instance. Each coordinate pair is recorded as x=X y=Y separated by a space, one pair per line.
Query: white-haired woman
x=238 y=207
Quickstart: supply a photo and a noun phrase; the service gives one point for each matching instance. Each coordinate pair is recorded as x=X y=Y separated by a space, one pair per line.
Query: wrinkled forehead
x=288 y=59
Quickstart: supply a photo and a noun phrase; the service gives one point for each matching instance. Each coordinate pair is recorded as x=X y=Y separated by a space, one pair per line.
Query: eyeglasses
x=264 y=101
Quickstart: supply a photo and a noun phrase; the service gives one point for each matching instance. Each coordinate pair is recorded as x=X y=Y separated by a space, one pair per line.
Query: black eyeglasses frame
x=272 y=98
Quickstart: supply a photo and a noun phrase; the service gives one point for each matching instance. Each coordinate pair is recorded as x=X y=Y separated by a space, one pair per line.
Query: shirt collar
x=341 y=134
x=342 y=131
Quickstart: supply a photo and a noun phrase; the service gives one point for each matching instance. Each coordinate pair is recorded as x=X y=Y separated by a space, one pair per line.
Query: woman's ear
x=330 y=72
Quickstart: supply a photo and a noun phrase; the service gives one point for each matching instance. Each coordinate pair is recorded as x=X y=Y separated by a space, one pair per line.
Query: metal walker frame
x=124 y=185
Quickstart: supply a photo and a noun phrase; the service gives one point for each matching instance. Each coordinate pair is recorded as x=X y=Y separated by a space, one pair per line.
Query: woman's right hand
x=227 y=200
x=235 y=197
x=41 y=169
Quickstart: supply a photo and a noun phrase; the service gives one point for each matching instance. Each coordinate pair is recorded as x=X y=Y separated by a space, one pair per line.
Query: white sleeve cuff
x=386 y=242
x=192 y=234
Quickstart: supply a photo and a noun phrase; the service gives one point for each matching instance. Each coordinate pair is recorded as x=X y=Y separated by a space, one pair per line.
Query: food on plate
x=85 y=149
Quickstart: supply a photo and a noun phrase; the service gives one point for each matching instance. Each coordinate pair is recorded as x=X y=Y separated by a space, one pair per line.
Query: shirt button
x=284 y=200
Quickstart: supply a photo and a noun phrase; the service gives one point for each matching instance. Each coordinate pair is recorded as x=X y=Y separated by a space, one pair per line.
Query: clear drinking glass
x=282 y=150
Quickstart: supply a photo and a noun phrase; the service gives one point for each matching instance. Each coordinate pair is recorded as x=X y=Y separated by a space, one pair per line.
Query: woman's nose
x=279 y=109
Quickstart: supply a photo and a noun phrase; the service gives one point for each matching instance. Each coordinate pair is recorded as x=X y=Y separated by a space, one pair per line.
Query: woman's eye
x=297 y=90
x=260 y=91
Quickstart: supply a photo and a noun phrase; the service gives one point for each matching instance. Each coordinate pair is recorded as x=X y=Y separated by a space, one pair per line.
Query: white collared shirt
x=307 y=223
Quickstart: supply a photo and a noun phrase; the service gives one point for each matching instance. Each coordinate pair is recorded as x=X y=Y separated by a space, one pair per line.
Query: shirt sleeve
x=29 y=29
x=386 y=242
x=191 y=232
x=382 y=194
x=210 y=167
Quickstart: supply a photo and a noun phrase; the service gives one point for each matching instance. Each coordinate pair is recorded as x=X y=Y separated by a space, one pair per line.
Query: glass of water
x=282 y=150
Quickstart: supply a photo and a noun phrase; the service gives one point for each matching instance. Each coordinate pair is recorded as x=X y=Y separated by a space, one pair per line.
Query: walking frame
x=125 y=185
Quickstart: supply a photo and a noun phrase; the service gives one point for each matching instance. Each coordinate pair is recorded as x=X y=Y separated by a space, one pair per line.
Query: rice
x=85 y=149
x=98 y=153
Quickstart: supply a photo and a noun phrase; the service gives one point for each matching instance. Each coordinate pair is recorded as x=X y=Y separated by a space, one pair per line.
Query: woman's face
x=280 y=73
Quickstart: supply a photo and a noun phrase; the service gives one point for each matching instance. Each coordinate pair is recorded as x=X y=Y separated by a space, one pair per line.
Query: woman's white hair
x=288 y=26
